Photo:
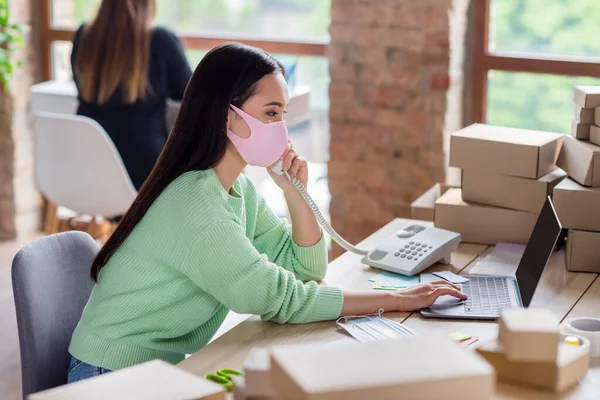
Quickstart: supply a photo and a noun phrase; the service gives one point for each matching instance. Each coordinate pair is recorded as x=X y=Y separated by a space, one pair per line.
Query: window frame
x=484 y=61
x=196 y=41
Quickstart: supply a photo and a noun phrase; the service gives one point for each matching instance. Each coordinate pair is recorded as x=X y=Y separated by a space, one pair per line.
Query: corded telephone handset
x=407 y=252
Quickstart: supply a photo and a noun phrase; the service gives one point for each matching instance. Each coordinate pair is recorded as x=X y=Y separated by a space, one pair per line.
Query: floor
x=10 y=374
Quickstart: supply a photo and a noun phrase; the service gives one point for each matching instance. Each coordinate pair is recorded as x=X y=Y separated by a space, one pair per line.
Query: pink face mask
x=266 y=143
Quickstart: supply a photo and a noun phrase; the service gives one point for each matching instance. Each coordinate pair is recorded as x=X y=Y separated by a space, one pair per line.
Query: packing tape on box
x=587 y=327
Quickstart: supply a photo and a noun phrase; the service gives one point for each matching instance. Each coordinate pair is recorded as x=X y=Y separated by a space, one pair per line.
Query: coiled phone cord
x=321 y=219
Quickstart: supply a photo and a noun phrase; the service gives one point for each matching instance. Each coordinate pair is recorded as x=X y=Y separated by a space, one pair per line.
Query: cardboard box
x=597 y=116
x=509 y=191
x=580 y=130
x=482 y=224
x=422 y=208
x=427 y=366
x=582 y=253
x=257 y=368
x=571 y=365
x=595 y=134
x=584 y=115
x=581 y=160
x=587 y=96
x=529 y=334
x=507 y=151
x=577 y=206
x=152 y=380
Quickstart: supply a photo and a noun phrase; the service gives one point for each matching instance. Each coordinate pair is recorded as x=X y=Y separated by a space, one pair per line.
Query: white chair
x=78 y=167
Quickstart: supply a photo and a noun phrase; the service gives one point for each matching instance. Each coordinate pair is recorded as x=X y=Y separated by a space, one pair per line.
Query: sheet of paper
x=493 y=268
x=386 y=278
x=503 y=260
x=451 y=277
x=506 y=252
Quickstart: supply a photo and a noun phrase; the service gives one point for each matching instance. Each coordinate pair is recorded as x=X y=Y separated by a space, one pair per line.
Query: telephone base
x=413 y=249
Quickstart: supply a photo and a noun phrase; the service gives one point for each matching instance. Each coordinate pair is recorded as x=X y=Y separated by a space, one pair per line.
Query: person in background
x=125 y=69
x=199 y=240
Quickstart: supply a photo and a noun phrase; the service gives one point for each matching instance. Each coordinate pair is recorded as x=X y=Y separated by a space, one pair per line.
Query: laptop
x=488 y=295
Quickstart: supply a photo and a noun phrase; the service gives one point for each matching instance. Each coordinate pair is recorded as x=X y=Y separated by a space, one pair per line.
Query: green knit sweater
x=197 y=253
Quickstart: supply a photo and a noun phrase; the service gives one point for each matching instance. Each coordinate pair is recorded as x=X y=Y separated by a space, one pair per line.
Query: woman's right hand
x=425 y=294
x=411 y=299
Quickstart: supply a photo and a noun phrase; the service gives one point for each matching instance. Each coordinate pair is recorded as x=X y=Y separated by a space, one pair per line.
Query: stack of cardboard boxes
x=507 y=173
x=530 y=351
x=427 y=366
x=577 y=199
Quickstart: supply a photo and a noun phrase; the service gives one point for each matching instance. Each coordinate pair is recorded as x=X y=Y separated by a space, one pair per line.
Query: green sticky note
x=459 y=336
x=377 y=286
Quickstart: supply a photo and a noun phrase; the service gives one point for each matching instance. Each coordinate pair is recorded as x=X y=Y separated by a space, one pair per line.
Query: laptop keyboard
x=486 y=296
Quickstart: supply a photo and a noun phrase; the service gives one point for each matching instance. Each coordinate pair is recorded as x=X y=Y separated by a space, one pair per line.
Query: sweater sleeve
x=273 y=237
x=223 y=262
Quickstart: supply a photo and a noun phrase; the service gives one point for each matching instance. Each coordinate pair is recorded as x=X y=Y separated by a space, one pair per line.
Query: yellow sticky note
x=459 y=336
x=377 y=286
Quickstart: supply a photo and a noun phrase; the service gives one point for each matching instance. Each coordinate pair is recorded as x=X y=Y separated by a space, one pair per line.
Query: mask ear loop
x=348 y=317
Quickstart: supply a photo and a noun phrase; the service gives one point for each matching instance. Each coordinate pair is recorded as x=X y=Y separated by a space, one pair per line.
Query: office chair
x=77 y=166
x=51 y=285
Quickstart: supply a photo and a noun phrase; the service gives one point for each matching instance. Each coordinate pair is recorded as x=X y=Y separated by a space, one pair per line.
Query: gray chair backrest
x=51 y=284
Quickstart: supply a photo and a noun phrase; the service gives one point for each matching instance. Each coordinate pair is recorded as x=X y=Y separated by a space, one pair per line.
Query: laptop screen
x=538 y=251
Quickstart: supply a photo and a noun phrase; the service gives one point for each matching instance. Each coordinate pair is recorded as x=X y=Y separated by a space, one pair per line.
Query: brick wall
x=395 y=94
x=19 y=201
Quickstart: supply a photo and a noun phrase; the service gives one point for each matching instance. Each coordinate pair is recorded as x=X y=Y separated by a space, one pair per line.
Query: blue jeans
x=78 y=370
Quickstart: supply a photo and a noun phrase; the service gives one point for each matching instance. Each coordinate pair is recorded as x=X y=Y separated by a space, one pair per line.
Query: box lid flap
x=502 y=134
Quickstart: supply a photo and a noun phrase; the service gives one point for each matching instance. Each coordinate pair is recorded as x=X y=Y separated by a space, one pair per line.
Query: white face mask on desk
x=368 y=328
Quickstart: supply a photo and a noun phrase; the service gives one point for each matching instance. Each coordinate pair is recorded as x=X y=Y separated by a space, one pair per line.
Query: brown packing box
x=507 y=151
x=529 y=334
x=580 y=130
x=581 y=160
x=584 y=115
x=595 y=134
x=257 y=374
x=570 y=366
x=597 y=116
x=582 y=251
x=422 y=208
x=587 y=96
x=577 y=207
x=482 y=224
x=152 y=380
x=428 y=366
x=509 y=191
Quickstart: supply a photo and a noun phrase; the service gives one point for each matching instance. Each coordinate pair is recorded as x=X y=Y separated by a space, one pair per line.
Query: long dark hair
x=228 y=74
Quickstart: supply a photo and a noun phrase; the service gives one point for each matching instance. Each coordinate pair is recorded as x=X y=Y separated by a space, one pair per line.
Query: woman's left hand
x=296 y=166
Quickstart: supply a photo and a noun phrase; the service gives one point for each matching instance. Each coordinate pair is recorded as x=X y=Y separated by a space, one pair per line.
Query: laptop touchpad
x=446 y=303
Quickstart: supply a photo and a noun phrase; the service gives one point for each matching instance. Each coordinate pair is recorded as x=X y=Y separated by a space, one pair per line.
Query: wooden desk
x=564 y=293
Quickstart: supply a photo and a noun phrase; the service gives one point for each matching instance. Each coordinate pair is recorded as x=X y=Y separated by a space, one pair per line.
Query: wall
x=395 y=95
x=19 y=201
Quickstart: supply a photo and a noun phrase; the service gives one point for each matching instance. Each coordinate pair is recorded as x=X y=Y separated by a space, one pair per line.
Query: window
x=296 y=31
x=289 y=19
x=527 y=57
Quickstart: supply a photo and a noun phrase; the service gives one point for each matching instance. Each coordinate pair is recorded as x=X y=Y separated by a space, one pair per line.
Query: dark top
x=139 y=130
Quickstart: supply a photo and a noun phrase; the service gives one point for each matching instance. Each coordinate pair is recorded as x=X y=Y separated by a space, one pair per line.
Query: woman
x=199 y=241
x=125 y=69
